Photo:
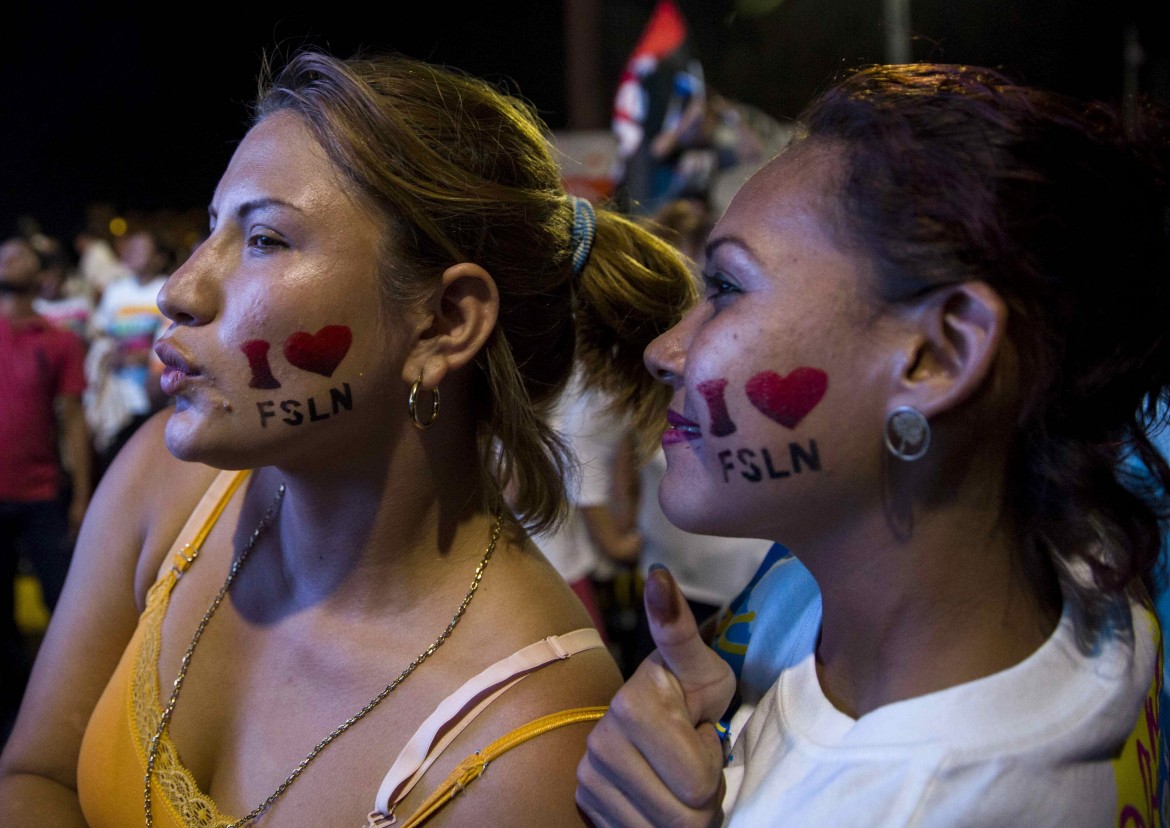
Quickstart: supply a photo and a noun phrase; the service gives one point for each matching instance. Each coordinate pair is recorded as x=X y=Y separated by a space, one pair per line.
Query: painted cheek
x=256 y=350
x=321 y=352
x=318 y=353
x=712 y=391
x=787 y=399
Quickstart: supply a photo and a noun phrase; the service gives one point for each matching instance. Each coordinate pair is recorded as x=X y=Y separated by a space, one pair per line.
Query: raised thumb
x=707 y=682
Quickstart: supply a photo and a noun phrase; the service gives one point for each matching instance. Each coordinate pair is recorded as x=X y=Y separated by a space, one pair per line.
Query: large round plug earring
x=412 y=404
x=907 y=433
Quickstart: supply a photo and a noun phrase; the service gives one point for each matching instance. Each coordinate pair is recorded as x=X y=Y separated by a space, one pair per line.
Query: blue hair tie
x=584 y=229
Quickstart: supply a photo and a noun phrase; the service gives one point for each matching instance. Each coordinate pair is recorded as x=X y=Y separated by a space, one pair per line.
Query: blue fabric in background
x=1137 y=473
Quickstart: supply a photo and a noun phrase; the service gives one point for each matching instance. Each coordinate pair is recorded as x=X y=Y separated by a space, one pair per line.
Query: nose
x=665 y=356
x=189 y=296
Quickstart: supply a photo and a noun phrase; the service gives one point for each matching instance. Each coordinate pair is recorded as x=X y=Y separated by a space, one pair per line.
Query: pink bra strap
x=422 y=749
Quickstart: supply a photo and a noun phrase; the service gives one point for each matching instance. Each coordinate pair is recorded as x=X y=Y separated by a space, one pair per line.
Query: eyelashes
x=716 y=285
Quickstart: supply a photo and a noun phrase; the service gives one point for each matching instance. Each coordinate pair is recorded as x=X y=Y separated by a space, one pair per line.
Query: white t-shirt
x=1064 y=738
x=128 y=314
x=100 y=266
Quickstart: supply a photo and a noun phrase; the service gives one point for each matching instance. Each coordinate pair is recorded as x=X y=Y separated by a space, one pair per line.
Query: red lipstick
x=680 y=429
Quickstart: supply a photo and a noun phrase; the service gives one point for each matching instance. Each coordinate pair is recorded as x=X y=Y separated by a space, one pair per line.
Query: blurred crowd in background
x=680 y=149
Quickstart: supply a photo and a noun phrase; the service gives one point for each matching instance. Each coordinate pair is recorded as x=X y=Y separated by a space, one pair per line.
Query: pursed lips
x=170 y=356
x=178 y=369
x=680 y=429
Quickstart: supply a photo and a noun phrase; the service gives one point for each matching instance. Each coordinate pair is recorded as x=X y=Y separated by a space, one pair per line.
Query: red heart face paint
x=787 y=399
x=712 y=391
x=321 y=352
x=256 y=350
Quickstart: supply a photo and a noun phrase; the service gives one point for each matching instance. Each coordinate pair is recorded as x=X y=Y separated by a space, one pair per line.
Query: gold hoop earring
x=412 y=407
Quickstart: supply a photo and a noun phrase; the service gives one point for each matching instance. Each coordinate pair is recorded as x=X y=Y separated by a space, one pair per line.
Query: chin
x=180 y=439
x=686 y=508
x=699 y=510
x=189 y=436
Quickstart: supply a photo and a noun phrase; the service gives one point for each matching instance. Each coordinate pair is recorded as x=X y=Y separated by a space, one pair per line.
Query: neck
x=379 y=529
x=17 y=305
x=906 y=617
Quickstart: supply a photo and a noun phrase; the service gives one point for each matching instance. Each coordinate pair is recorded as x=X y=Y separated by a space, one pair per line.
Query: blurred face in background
x=141 y=254
x=19 y=268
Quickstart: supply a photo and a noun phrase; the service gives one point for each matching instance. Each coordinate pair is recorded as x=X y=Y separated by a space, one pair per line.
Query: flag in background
x=660 y=80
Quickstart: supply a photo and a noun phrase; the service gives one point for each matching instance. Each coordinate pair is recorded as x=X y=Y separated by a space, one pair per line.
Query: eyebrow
x=714 y=246
x=256 y=204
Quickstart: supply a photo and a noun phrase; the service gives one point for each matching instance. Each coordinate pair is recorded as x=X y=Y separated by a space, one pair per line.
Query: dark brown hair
x=957 y=173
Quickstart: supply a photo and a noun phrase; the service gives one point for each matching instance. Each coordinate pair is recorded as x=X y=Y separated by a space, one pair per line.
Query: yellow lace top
x=112 y=765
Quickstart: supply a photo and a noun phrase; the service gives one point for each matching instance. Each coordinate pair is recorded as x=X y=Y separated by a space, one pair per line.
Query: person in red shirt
x=45 y=450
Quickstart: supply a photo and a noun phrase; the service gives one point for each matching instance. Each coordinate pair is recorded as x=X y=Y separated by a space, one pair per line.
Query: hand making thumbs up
x=655 y=758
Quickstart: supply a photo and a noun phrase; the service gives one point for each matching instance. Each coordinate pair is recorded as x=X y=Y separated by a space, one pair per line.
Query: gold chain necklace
x=168 y=711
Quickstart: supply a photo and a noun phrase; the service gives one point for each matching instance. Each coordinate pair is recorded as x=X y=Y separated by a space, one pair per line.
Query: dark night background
x=140 y=109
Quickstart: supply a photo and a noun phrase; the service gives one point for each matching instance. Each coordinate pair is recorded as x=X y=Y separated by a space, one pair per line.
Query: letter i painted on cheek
x=712 y=391
x=256 y=350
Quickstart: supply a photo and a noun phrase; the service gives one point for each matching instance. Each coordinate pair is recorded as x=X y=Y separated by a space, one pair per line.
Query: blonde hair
x=463 y=170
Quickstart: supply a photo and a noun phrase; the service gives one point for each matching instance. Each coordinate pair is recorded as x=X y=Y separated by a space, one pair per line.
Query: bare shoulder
x=145 y=498
x=528 y=744
x=545 y=718
x=534 y=602
x=528 y=778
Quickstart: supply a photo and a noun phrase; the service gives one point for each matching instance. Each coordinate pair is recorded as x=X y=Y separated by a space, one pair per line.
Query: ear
x=958 y=331
x=462 y=315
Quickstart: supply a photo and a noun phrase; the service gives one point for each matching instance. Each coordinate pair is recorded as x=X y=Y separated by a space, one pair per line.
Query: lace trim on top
x=180 y=791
